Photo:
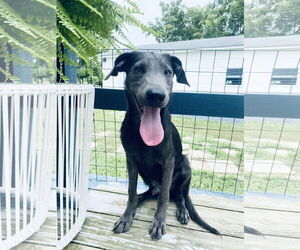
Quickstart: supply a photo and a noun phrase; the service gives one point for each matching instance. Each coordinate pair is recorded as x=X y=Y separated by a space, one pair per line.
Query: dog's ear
x=178 y=70
x=121 y=64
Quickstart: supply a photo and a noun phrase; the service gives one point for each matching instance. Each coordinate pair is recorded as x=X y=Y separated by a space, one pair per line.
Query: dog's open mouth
x=151 y=129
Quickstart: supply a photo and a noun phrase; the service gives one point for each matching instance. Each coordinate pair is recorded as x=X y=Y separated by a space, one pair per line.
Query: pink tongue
x=151 y=129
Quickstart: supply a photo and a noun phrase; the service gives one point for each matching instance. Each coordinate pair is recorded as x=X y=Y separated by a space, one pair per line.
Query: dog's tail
x=196 y=218
x=251 y=230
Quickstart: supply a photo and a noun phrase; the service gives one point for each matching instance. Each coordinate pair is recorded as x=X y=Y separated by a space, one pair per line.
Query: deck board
x=204 y=199
x=229 y=223
x=97 y=232
x=107 y=204
x=277 y=218
x=45 y=238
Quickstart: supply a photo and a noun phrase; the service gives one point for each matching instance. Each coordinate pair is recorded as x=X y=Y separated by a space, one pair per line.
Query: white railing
x=27 y=115
x=75 y=105
x=36 y=123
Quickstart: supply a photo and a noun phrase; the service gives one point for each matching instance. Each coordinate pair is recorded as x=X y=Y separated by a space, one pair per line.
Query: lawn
x=215 y=149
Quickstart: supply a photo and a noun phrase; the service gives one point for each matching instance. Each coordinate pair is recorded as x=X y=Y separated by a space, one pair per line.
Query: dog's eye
x=139 y=70
x=168 y=72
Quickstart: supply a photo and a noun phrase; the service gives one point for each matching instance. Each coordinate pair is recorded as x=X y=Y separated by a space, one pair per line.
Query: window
x=284 y=76
x=234 y=76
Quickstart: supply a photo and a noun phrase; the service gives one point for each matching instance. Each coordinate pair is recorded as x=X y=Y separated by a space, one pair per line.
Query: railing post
x=71 y=70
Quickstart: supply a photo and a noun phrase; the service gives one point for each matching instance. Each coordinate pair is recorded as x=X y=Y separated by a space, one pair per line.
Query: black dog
x=151 y=141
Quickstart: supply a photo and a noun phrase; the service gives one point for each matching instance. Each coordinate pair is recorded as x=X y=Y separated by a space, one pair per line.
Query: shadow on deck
x=278 y=219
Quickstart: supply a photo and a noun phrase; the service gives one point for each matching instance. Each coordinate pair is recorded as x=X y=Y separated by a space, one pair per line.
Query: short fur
x=163 y=168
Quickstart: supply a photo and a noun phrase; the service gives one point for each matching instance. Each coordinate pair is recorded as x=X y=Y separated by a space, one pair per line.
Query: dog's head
x=149 y=81
x=149 y=76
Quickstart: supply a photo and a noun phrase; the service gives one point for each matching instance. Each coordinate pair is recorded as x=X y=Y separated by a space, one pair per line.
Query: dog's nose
x=155 y=95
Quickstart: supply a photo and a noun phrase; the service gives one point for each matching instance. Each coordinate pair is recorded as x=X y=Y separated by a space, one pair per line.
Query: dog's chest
x=150 y=157
x=150 y=165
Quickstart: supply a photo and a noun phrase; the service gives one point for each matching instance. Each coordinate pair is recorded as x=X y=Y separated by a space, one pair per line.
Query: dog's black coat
x=163 y=168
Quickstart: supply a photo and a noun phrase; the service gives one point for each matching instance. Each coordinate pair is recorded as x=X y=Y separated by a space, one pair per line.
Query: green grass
x=215 y=139
x=208 y=181
x=277 y=184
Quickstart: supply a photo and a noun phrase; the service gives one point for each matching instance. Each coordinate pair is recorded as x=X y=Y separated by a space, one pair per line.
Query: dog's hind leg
x=182 y=213
x=183 y=197
x=180 y=188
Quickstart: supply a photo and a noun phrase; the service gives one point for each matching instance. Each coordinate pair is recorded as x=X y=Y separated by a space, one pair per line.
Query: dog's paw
x=157 y=229
x=123 y=224
x=182 y=215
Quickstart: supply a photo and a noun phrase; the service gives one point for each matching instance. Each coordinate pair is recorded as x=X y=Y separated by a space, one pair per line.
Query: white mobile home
x=272 y=65
x=229 y=64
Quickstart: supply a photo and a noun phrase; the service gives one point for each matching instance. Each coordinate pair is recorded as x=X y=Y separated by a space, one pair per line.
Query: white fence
x=75 y=105
x=37 y=121
x=26 y=145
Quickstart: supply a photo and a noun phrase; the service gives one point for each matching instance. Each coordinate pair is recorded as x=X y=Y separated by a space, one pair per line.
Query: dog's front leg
x=124 y=223
x=158 y=227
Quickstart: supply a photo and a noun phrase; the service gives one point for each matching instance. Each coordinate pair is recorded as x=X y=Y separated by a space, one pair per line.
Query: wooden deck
x=277 y=219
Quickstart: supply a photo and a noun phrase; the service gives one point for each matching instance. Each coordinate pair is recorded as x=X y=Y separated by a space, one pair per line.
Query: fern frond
x=15 y=21
x=8 y=75
x=12 y=18
x=133 y=4
x=84 y=38
x=13 y=41
x=86 y=4
x=64 y=40
x=65 y=20
x=46 y=3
